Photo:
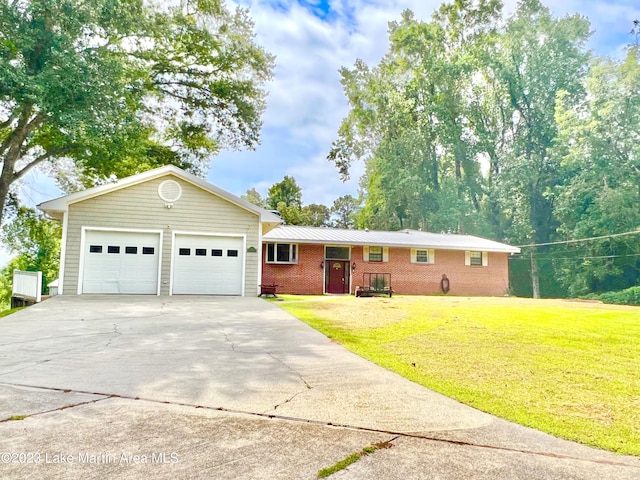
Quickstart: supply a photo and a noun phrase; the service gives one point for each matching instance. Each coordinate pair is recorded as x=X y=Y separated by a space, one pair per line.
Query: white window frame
x=385 y=254
x=483 y=255
x=431 y=256
x=338 y=246
x=293 y=253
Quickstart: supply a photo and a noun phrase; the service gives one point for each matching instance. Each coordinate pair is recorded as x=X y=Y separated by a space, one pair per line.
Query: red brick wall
x=305 y=278
x=406 y=278
x=424 y=279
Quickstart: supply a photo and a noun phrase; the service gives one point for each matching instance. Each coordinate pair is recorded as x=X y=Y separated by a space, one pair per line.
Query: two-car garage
x=129 y=262
x=160 y=232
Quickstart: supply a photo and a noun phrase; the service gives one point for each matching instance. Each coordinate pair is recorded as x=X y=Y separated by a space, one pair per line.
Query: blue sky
x=311 y=40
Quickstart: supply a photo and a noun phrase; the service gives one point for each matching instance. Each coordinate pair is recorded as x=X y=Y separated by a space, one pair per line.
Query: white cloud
x=312 y=177
x=306 y=102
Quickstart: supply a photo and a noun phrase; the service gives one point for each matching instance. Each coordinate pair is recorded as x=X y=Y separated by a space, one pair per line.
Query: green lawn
x=9 y=311
x=571 y=369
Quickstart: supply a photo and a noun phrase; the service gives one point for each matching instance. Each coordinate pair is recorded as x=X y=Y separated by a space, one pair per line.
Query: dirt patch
x=371 y=312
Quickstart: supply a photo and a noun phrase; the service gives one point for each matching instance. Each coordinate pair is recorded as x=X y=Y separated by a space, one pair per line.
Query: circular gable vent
x=170 y=191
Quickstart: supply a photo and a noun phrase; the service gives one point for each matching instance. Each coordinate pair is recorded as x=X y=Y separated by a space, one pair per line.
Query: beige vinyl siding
x=139 y=207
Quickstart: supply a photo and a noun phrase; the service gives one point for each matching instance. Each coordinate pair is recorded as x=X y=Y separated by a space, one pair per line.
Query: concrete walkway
x=210 y=387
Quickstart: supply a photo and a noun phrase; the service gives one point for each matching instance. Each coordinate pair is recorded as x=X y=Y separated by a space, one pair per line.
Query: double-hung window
x=476 y=259
x=423 y=255
x=375 y=254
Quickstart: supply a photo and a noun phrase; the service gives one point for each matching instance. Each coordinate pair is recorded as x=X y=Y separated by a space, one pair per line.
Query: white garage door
x=208 y=265
x=120 y=262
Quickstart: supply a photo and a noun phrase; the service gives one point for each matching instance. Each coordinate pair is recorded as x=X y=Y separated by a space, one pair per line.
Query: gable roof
x=404 y=238
x=56 y=206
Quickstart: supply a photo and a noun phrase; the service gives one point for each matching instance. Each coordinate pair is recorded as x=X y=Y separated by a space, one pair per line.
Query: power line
x=564 y=242
x=577 y=257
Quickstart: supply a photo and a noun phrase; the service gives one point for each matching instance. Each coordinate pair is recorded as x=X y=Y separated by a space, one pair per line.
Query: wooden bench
x=268 y=290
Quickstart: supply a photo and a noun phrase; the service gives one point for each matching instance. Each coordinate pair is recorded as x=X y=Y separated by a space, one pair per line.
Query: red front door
x=337 y=276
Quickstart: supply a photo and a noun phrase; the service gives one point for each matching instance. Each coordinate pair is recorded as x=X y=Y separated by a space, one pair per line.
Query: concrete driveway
x=213 y=387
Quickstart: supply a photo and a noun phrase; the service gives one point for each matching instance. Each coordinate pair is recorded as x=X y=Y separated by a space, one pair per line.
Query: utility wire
x=564 y=242
x=577 y=257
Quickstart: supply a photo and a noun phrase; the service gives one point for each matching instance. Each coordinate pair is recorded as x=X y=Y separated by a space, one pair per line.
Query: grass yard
x=571 y=369
x=9 y=311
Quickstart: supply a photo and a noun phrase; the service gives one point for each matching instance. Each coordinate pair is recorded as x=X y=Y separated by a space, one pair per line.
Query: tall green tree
x=286 y=191
x=344 y=212
x=464 y=90
x=539 y=58
x=286 y=197
x=409 y=121
x=253 y=196
x=599 y=151
x=290 y=214
x=315 y=215
x=119 y=86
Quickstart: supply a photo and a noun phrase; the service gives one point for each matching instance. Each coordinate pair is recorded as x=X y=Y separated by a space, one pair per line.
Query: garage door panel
x=208 y=265
x=121 y=262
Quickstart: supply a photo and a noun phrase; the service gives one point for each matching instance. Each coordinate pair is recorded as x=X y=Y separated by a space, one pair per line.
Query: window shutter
x=365 y=254
x=485 y=259
x=467 y=258
x=432 y=256
x=385 y=254
x=414 y=254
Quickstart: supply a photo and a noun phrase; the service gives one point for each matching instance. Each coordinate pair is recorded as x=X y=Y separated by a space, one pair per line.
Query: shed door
x=120 y=262
x=208 y=265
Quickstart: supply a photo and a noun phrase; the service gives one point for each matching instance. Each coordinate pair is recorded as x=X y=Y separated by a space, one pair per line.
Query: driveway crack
x=307 y=385
x=275 y=407
x=237 y=349
x=298 y=374
x=114 y=332
x=230 y=342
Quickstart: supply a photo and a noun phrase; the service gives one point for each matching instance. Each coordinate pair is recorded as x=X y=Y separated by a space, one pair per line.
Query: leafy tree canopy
x=315 y=215
x=344 y=212
x=286 y=191
x=286 y=198
x=253 y=196
x=114 y=87
x=599 y=153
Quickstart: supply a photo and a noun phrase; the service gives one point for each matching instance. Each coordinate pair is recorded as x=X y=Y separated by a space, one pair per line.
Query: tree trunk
x=10 y=152
x=535 y=279
x=6 y=178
